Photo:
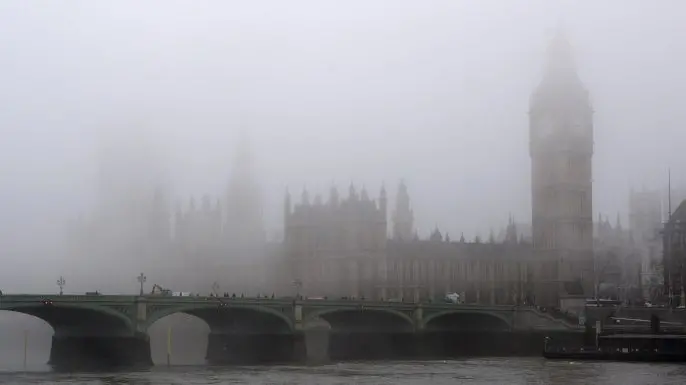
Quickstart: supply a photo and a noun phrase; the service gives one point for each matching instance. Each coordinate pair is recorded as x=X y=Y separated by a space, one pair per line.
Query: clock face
x=577 y=125
x=546 y=126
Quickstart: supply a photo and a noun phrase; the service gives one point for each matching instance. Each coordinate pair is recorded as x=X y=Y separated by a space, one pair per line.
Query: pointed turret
x=305 y=197
x=383 y=201
x=403 y=217
x=462 y=240
x=560 y=85
x=436 y=235
x=352 y=193
x=511 y=232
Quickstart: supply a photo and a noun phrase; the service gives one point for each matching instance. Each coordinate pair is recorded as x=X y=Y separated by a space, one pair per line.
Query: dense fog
x=106 y=104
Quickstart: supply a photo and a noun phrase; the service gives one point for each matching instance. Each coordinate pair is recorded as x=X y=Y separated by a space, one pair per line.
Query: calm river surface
x=468 y=371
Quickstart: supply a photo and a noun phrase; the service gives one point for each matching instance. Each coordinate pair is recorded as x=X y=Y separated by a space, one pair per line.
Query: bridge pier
x=100 y=351
x=316 y=345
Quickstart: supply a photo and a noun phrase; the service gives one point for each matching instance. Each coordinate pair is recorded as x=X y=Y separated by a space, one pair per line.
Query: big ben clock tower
x=561 y=149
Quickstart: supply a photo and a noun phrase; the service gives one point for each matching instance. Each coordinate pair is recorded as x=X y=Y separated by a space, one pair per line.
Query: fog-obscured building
x=561 y=148
x=618 y=261
x=222 y=239
x=344 y=246
x=674 y=255
x=340 y=248
x=337 y=247
x=645 y=224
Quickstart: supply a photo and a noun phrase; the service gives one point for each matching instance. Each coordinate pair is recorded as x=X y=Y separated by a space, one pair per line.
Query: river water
x=469 y=371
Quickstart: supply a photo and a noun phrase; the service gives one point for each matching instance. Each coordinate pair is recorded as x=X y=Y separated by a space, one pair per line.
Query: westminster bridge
x=113 y=329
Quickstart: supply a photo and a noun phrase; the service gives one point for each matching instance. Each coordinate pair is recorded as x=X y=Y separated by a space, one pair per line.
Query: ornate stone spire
x=305 y=197
x=436 y=235
x=403 y=216
x=560 y=84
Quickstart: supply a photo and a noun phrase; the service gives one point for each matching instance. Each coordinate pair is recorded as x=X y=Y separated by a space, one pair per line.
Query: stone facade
x=337 y=248
x=340 y=249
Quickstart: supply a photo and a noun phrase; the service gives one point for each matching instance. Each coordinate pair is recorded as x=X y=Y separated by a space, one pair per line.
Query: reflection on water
x=477 y=371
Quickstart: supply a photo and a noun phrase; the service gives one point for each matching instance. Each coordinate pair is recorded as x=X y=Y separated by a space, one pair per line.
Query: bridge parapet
x=78 y=315
x=528 y=318
x=140 y=312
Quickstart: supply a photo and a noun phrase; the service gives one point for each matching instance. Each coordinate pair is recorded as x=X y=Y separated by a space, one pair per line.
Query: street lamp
x=61 y=282
x=298 y=284
x=141 y=279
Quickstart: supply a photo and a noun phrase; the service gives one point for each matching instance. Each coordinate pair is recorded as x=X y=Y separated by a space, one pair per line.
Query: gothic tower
x=561 y=149
x=244 y=265
x=403 y=217
x=243 y=209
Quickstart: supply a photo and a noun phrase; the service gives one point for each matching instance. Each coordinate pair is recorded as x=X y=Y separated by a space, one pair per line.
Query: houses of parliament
x=354 y=244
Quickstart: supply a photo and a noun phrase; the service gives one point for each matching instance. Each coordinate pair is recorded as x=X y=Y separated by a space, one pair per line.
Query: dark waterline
x=512 y=371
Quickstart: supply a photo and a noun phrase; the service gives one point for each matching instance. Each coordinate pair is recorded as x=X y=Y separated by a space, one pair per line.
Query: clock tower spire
x=561 y=149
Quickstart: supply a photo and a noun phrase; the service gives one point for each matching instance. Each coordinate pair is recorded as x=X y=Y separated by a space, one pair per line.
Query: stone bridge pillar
x=312 y=343
x=99 y=342
x=311 y=340
x=420 y=342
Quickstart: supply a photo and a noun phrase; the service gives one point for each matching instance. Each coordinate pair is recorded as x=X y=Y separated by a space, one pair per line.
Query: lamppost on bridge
x=61 y=283
x=298 y=284
x=141 y=279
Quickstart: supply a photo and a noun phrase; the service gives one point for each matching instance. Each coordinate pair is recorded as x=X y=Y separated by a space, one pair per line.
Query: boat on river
x=625 y=347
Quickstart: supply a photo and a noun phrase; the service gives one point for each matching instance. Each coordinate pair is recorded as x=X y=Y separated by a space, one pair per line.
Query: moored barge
x=626 y=347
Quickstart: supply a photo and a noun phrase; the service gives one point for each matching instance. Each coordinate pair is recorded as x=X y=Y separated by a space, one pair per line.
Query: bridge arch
x=467 y=320
x=394 y=320
x=215 y=315
x=83 y=319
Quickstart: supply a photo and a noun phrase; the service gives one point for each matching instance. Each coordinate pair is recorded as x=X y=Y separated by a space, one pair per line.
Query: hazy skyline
x=435 y=93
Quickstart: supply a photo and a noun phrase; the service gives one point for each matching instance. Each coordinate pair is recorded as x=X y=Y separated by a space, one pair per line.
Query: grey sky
x=435 y=92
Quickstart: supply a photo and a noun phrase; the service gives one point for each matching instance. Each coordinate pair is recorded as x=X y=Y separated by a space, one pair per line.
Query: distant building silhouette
x=674 y=257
